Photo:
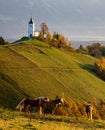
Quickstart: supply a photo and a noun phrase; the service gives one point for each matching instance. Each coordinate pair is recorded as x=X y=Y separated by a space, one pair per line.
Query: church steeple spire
x=31 y=21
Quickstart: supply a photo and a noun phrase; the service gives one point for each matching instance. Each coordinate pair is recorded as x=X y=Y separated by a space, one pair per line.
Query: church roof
x=31 y=21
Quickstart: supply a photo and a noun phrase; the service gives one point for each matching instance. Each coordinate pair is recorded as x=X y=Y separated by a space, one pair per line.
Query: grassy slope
x=34 y=69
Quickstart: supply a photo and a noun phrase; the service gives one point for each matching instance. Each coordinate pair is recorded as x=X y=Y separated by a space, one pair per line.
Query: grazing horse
x=89 y=111
x=25 y=104
x=52 y=105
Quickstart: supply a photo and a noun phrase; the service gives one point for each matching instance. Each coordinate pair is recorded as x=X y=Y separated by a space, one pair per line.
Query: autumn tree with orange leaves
x=100 y=68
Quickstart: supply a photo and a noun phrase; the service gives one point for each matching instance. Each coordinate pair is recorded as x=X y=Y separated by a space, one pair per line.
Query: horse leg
x=53 y=110
x=40 y=110
x=90 y=115
x=27 y=111
x=21 y=109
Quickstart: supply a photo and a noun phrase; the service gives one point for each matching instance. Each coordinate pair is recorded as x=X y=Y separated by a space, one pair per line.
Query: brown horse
x=52 y=105
x=27 y=103
x=89 y=111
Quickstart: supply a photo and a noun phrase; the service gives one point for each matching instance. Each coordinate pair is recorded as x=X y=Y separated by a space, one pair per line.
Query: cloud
x=96 y=1
x=4 y=18
x=29 y=3
x=87 y=37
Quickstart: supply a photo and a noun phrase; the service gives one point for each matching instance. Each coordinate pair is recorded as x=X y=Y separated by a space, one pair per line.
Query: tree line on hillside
x=95 y=49
x=56 y=40
x=60 y=41
x=3 y=42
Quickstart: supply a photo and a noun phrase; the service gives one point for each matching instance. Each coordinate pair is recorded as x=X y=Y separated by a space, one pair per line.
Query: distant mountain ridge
x=76 y=44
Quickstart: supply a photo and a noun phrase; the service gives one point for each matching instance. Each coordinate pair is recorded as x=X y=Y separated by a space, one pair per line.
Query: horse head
x=58 y=101
x=61 y=101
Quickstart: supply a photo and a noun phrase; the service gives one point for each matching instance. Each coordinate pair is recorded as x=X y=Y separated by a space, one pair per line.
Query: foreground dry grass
x=25 y=124
x=17 y=121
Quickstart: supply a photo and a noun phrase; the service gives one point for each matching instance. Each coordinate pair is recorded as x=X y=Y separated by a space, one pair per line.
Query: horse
x=25 y=104
x=89 y=111
x=52 y=105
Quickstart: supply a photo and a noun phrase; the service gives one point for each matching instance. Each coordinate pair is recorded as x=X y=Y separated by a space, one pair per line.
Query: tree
x=59 y=41
x=55 y=38
x=103 y=50
x=44 y=30
x=100 y=68
x=62 y=41
x=82 y=49
x=70 y=47
x=95 y=49
x=3 y=42
x=48 y=37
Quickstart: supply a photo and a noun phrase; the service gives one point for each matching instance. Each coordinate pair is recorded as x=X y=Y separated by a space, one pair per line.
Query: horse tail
x=21 y=103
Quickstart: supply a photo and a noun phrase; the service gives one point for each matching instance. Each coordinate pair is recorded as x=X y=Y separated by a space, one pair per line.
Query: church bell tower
x=31 y=28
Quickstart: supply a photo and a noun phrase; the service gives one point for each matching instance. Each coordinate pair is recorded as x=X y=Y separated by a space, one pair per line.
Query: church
x=31 y=29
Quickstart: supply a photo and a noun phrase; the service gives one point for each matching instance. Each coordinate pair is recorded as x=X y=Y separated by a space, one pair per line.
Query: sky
x=75 y=19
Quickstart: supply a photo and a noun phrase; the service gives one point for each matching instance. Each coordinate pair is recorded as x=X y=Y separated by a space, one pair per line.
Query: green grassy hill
x=33 y=68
